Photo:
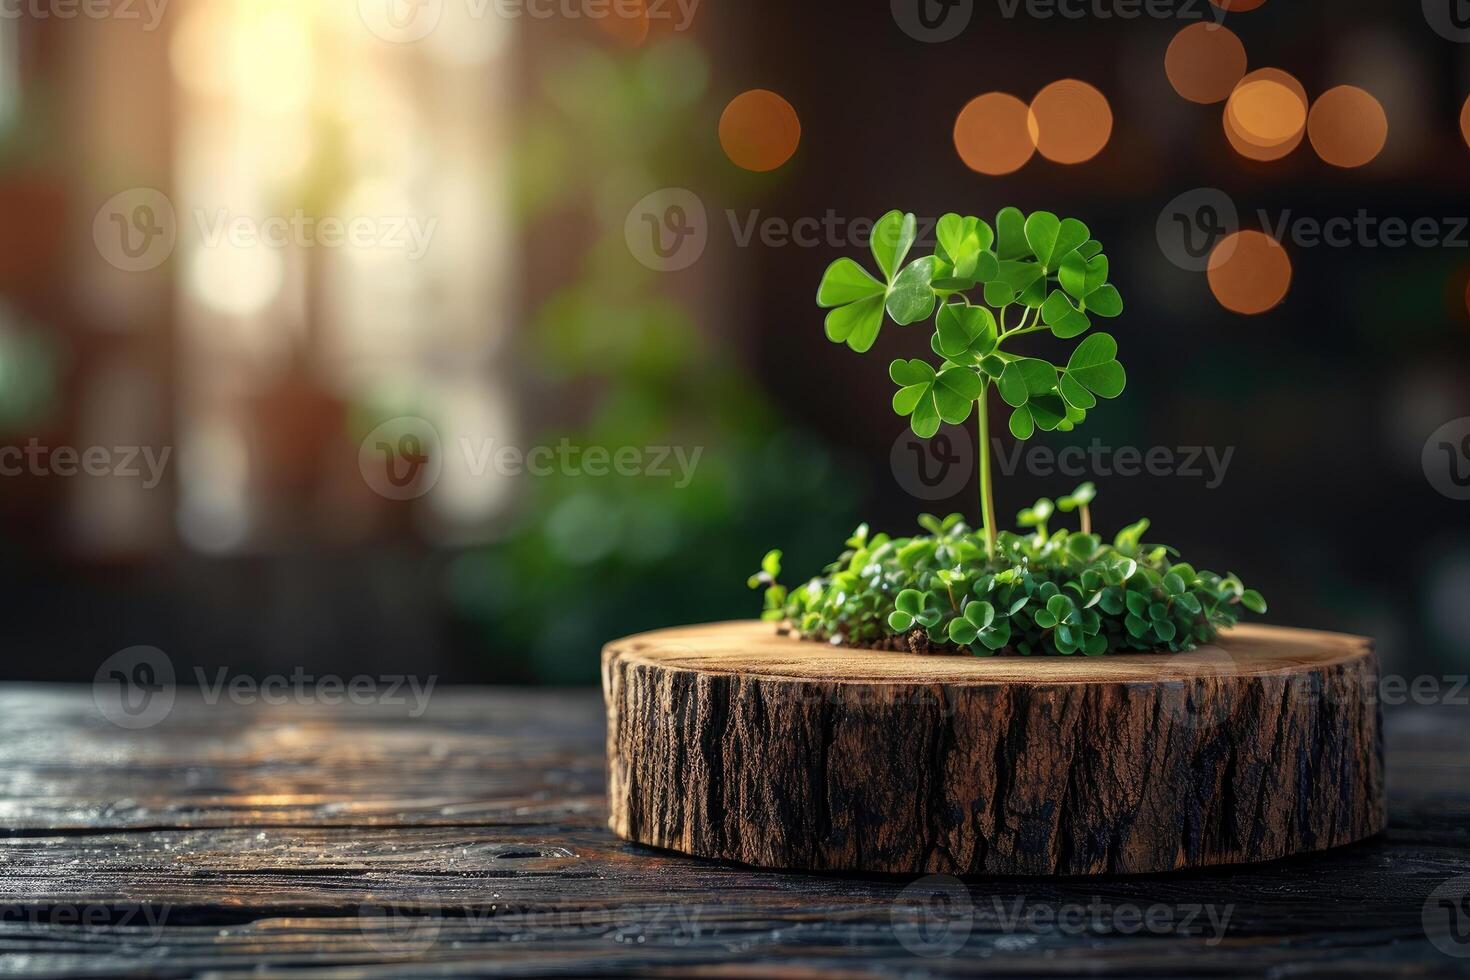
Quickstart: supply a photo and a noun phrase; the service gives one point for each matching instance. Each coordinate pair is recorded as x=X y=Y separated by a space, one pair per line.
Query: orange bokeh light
x=1266 y=116
x=1347 y=126
x=1465 y=122
x=1249 y=272
x=1205 y=62
x=759 y=130
x=1069 y=121
x=992 y=134
x=1237 y=6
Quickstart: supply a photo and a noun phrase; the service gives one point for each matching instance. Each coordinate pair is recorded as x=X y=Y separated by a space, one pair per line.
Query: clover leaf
x=964 y=252
x=978 y=615
x=1094 y=366
x=913 y=607
x=857 y=300
x=930 y=397
x=964 y=333
x=1051 y=240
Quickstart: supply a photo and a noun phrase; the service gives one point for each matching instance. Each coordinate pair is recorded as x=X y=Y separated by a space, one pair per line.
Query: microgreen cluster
x=1043 y=592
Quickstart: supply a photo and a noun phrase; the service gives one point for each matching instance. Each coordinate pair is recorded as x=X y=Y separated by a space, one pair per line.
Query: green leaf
x=965 y=331
x=1010 y=234
x=997 y=636
x=857 y=324
x=891 y=240
x=900 y=622
x=1052 y=240
x=1253 y=601
x=1065 y=320
x=1089 y=248
x=1049 y=411
x=1095 y=366
x=1080 y=276
x=1024 y=378
x=1105 y=301
x=911 y=297
x=929 y=397
x=910 y=601
x=846 y=282
x=962 y=631
x=999 y=293
x=1074 y=393
x=955 y=391
x=982 y=614
x=1085 y=494
x=1023 y=426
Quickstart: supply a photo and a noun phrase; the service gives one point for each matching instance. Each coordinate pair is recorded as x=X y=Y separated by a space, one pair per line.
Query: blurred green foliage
x=614 y=360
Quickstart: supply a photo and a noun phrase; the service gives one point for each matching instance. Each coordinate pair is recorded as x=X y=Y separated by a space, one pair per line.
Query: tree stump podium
x=732 y=742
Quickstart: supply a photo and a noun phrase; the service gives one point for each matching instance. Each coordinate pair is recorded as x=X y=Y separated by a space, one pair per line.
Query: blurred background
x=471 y=334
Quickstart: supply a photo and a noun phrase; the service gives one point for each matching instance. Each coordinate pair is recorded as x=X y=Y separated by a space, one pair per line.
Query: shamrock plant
x=1040 y=590
x=985 y=288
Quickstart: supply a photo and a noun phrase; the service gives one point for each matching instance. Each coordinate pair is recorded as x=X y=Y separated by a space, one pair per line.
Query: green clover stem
x=987 y=492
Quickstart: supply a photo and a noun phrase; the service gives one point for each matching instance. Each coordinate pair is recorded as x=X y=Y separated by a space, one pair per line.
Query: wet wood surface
x=361 y=842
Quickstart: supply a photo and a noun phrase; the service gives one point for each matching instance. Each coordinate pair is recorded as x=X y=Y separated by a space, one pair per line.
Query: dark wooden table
x=356 y=841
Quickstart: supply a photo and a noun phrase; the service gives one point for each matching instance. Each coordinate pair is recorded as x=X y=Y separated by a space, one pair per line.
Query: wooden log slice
x=730 y=741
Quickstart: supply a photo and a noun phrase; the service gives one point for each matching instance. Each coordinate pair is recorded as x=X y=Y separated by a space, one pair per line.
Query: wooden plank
x=422 y=887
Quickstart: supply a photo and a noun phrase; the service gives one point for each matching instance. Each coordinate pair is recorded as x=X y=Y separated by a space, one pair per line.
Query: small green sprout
x=1034 y=273
x=954 y=589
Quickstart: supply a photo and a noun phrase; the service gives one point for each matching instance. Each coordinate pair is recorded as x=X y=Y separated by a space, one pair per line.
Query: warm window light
x=1249 y=272
x=1347 y=126
x=992 y=134
x=759 y=130
x=1205 y=62
x=1266 y=116
x=1070 y=121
